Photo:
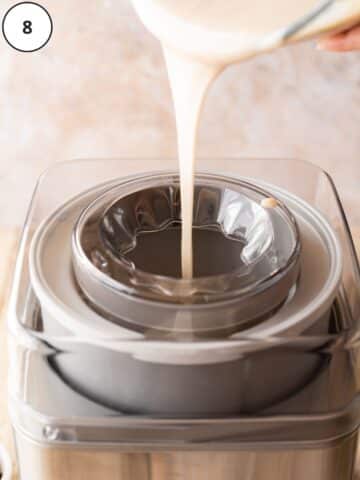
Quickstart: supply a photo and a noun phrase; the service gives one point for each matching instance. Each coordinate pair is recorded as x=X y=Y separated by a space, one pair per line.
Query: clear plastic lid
x=250 y=243
x=126 y=244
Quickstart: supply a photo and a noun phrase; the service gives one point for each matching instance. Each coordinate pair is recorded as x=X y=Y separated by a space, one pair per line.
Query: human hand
x=341 y=42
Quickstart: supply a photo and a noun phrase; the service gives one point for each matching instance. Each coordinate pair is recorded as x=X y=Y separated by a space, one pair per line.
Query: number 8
x=27 y=27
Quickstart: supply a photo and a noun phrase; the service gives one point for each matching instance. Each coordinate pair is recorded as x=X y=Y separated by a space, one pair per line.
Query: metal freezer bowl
x=60 y=433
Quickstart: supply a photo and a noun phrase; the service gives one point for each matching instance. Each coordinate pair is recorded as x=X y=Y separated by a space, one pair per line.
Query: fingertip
x=341 y=42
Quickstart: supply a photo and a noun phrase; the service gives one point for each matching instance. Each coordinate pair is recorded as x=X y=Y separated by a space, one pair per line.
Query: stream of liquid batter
x=210 y=34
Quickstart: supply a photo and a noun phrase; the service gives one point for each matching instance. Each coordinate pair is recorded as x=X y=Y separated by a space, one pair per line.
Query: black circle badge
x=27 y=26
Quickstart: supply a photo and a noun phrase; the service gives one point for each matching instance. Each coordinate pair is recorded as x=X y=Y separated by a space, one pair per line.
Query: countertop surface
x=8 y=246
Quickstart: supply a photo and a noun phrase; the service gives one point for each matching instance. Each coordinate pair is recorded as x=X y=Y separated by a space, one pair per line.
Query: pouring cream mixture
x=200 y=38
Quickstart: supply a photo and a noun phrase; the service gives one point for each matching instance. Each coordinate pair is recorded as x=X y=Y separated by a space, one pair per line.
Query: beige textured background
x=100 y=89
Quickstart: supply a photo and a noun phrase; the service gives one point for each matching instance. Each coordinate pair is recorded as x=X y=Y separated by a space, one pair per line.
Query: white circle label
x=27 y=26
